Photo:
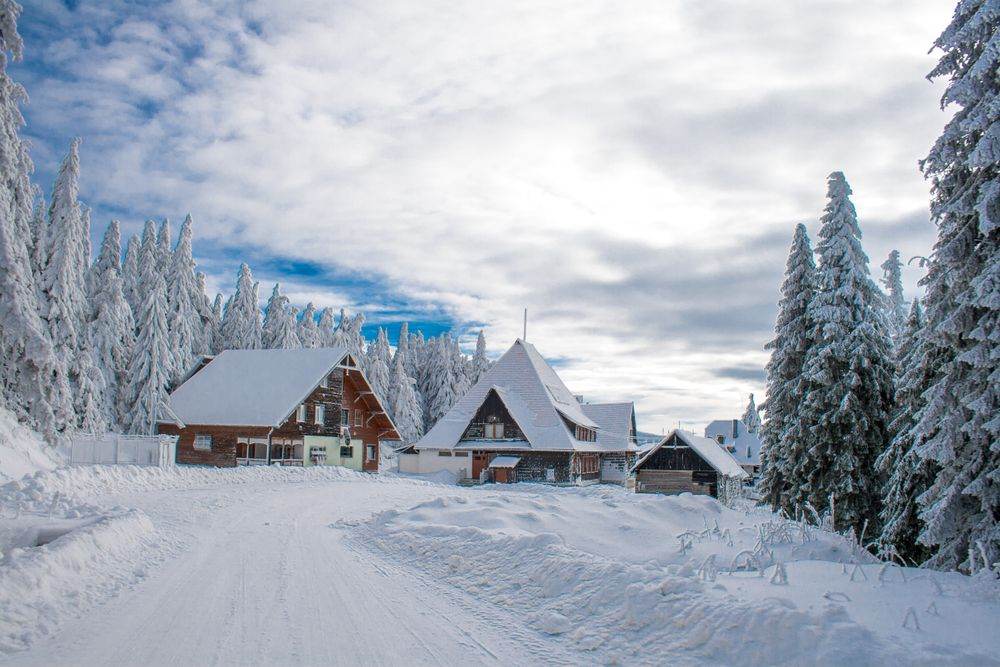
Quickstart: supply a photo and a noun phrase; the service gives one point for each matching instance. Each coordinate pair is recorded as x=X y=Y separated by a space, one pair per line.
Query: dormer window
x=586 y=434
x=721 y=439
x=493 y=431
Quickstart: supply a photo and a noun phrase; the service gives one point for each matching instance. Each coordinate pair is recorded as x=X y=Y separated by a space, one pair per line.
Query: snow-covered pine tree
x=326 y=327
x=379 y=359
x=217 y=342
x=130 y=273
x=91 y=399
x=906 y=475
x=31 y=382
x=163 y=251
x=309 y=333
x=781 y=435
x=440 y=394
x=460 y=365
x=148 y=247
x=849 y=373
x=751 y=417
x=407 y=414
x=402 y=345
x=959 y=412
x=39 y=239
x=480 y=362
x=241 y=323
x=206 y=315
x=356 y=340
x=63 y=278
x=341 y=331
x=280 y=331
x=183 y=298
x=149 y=371
x=896 y=305
x=112 y=330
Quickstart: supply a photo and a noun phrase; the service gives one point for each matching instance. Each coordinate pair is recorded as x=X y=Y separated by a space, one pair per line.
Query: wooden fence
x=118 y=449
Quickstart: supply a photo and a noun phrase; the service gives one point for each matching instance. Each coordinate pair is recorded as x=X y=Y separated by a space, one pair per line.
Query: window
x=493 y=431
x=203 y=442
x=370 y=452
x=325 y=382
x=721 y=439
x=319 y=416
x=586 y=434
x=464 y=455
x=345 y=417
x=358 y=417
x=300 y=414
x=444 y=452
x=589 y=463
x=346 y=451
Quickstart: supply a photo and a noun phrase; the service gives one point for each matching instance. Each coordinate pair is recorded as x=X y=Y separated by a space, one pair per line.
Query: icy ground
x=327 y=566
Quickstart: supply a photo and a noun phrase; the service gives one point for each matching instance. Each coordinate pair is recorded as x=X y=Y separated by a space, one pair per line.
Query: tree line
x=888 y=421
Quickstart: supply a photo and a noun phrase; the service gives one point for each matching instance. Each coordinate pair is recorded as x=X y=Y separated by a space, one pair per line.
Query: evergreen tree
x=183 y=298
x=326 y=327
x=751 y=418
x=848 y=373
x=149 y=371
x=460 y=383
x=309 y=333
x=208 y=325
x=379 y=359
x=406 y=411
x=91 y=401
x=893 y=281
x=39 y=240
x=402 y=345
x=217 y=342
x=440 y=394
x=31 y=382
x=480 y=363
x=112 y=331
x=130 y=274
x=148 y=247
x=163 y=253
x=781 y=432
x=241 y=323
x=280 y=330
x=906 y=475
x=958 y=415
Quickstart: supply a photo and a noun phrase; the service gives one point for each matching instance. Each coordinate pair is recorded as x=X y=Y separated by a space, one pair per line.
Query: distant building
x=683 y=462
x=520 y=423
x=290 y=407
x=733 y=436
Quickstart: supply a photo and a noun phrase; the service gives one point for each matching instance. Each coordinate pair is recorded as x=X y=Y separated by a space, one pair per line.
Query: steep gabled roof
x=614 y=420
x=709 y=450
x=533 y=394
x=745 y=443
x=252 y=387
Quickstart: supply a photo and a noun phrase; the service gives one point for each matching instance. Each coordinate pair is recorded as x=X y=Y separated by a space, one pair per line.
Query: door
x=501 y=475
x=479 y=461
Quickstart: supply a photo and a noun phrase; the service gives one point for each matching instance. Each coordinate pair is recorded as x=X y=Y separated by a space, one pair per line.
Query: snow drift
x=22 y=451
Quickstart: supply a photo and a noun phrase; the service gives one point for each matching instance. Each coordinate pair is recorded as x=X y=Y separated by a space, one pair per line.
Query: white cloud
x=630 y=173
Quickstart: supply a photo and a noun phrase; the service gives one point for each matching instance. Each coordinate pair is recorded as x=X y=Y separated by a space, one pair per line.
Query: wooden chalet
x=685 y=462
x=521 y=423
x=290 y=407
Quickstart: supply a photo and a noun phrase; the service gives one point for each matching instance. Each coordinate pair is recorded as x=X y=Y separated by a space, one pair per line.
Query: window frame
x=319 y=415
x=300 y=414
x=201 y=447
x=349 y=449
x=493 y=431
x=358 y=417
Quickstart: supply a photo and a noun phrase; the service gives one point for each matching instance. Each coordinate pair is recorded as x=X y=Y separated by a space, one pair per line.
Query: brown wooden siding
x=493 y=411
x=223 y=452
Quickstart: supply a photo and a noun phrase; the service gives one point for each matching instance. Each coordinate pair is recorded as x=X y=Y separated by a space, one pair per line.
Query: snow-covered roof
x=614 y=420
x=252 y=387
x=709 y=450
x=504 y=462
x=533 y=394
x=746 y=444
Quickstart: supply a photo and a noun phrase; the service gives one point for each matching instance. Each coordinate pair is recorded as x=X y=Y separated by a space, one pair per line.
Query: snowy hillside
x=22 y=451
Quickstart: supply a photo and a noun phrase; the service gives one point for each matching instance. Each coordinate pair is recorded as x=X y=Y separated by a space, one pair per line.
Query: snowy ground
x=292 y=566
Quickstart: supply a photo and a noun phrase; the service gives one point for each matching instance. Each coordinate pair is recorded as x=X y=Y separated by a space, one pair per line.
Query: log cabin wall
x=223 y=448
x=676 y=468
x=331 y=397
x=534 y=467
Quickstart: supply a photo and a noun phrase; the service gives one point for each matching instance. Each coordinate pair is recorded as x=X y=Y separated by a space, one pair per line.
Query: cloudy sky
x=629 y=172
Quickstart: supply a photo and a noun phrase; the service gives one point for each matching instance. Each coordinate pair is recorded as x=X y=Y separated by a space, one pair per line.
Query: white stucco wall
x=429 y=461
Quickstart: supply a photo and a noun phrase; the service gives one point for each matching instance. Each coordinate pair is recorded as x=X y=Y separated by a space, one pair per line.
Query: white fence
x=116 y=449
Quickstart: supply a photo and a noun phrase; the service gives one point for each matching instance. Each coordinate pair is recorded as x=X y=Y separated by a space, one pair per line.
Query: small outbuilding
x=685 y=462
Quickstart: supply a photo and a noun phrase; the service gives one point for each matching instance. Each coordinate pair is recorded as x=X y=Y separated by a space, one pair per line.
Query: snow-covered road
x=261 y=574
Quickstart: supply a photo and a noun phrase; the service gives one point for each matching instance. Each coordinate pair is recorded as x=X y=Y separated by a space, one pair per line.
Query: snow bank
x=94 y=483
x=41 y=586
x=585 y=566
x=22 y=451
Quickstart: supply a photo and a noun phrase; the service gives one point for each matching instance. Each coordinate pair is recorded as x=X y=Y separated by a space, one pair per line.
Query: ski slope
x=328 y=566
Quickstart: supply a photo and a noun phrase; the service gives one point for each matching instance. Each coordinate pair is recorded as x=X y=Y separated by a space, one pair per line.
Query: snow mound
x=22 y=451
x=605 y=571
x=41 y=586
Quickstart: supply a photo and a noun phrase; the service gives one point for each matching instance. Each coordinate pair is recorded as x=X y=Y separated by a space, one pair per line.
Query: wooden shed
x=685 y=462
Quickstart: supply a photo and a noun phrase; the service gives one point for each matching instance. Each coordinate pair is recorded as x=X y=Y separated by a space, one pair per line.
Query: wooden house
x=521 y=423
x=685 y=462
x=738 y=440
x=289 y=407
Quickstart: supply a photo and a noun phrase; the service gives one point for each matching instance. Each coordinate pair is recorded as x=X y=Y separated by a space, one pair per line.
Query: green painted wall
x=333 y=458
